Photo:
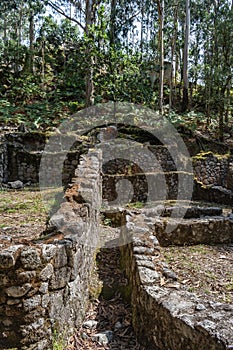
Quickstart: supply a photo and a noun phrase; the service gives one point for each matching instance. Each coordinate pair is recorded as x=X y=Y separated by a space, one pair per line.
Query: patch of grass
x=107 y=222
x=199 y=249
x=58 y=341
x=25 y=205
x=136 y=205
x=229 y=286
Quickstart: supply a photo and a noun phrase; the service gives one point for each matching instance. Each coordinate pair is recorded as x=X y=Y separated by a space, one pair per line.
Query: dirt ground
x=205 y=270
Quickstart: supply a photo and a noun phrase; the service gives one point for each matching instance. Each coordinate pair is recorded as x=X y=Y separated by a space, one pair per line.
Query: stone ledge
x=207 y=230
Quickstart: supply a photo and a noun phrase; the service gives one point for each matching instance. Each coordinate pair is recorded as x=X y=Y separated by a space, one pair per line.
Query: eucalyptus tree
x=185 y=101
x=160 y=6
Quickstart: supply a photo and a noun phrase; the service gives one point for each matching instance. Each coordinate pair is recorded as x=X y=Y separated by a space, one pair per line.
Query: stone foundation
x=167 y=318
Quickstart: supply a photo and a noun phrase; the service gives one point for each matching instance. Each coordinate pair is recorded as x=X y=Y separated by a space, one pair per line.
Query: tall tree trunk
x=90 y=68
x=160 y=4
x=43 y=63
x=173 y=50
x=31 y=41
x=185 y=101
x=142 y=30
x=228 y=102
x=4 y=29
x=112 y=38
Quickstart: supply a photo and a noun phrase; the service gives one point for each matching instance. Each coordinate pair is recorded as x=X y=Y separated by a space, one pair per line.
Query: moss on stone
x=204 y=155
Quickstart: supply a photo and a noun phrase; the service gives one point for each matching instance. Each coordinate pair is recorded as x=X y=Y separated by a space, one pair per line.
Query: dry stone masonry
x=44 y=284
x=167 y=318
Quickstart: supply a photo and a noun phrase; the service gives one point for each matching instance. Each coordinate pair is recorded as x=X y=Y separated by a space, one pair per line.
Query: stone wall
x=44 y=283
x=167 y=317
x=150 y=170
x=212 y=169
x=3 y=160
x=20 y=157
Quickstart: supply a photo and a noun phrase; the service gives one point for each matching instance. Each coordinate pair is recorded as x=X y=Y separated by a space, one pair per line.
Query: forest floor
x=205 y=270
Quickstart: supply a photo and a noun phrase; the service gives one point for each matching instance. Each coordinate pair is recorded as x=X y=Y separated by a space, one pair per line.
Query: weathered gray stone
x=169 y=273
x=30 y=258
x=18 y=292
x=48 y=252
x=60 y=258
x=52 y=299
x=103 y=338
x=208 y=230
x=47 y=272
x=90 y=324
x=148 y=276
x=15 y=184
x=200 y=307
x=60 y=278
x=6 y=260
x=44 y=287
x=26 y=276
x=45 y=300
x=32 y=303
x=143 y=250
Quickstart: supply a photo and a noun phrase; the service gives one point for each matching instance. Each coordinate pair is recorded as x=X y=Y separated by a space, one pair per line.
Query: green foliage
x=44 y=59
x=136 y=205
x=58 y=341
x=190 y=120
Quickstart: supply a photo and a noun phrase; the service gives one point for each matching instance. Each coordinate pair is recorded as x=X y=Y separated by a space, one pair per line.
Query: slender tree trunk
x=43 y=63
x=221 y=120
x=4 y=29
x=31 y=40
x=185 y=101
x=90 y=67
x=228 y=102
x=113 y=23
x=173 y=50
x=160 y=4
x=142 y=30
x=208 y=77
x=176 y=75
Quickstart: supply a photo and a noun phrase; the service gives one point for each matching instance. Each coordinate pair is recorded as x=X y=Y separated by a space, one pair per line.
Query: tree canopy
x=58 y=56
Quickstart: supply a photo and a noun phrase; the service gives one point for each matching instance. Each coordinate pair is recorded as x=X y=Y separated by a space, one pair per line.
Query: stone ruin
x=44 y=284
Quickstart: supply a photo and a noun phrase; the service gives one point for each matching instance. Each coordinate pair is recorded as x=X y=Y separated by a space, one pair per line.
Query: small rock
x=5 y=238
x=6 y=260
x=90 y=324
x=169 y=273
x=103 y=338
x=143 y=250
x=200 y=307
x=84 y=335
x=18 y=292
x=16 y=185
x=118 y=326
x=206 y=325
x=154 y=240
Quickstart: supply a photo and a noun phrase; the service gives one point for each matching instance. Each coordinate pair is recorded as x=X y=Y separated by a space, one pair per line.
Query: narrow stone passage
x=108 y=321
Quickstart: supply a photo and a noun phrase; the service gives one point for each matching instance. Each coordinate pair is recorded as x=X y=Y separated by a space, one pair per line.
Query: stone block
x=30 y=258
x=18 y=291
